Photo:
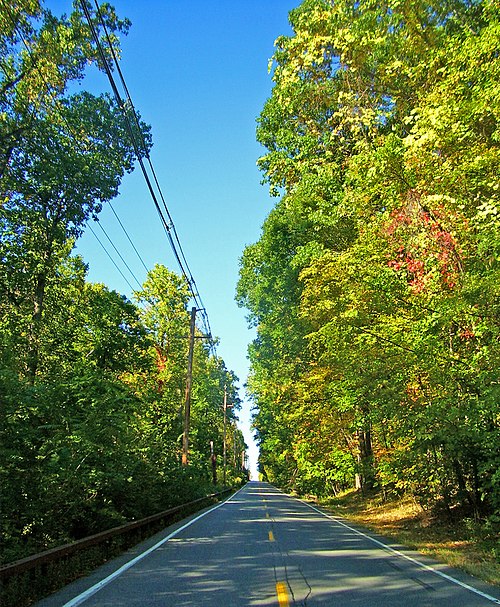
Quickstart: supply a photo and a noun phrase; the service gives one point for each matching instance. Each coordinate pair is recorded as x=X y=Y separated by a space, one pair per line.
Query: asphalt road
x=263 y=548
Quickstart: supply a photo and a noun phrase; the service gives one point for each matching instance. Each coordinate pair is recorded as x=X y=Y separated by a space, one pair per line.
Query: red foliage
x=435 y=247
x=161 y=363
x=467 y=333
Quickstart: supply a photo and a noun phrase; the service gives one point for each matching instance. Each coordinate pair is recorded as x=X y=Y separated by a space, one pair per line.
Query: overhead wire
x=108 y=254
x=119 y=255
x=166 y=219
x=178 y=251
x=139 y=131
x=128 y=237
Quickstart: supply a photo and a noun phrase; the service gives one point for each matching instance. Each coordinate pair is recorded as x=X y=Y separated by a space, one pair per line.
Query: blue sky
x=198 y=74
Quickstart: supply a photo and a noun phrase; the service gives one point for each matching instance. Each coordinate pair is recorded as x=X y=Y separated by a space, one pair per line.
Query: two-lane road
x=263 y=548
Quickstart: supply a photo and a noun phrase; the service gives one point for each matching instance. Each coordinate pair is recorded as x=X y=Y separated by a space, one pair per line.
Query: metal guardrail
x=42 y=558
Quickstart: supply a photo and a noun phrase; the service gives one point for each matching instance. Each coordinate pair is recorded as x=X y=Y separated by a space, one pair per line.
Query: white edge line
x=405 y=556
x=78 y=600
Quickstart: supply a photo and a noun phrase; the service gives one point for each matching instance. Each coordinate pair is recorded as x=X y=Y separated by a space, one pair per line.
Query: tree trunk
x=366 y=468
x=465 y=496
x=36 y=323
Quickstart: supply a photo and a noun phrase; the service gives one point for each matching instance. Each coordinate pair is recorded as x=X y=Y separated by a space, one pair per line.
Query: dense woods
x=91 y=384
x=375 y=284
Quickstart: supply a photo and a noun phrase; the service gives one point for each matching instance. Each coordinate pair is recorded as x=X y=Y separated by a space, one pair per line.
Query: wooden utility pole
x=213 y=458
x=224 y=443
x=235 y=450
x=226 y=407
x=189 y=381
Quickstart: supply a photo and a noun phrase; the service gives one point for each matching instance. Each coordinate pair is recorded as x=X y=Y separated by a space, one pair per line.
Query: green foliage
x=91 y=384
x=95 y=441
x=374 y=285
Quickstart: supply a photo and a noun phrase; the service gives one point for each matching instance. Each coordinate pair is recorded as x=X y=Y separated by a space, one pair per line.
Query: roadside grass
x=470 y=545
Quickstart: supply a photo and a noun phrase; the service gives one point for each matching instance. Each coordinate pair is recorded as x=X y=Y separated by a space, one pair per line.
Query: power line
x=166 y=219
x=109 y=255
x=120 y=255
x=178 y=251
x=139 y=153
x=129 y=239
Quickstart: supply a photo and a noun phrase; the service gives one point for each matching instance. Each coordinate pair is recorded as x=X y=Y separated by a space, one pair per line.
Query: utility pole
x=189 y=381
x=224 y=442
x=235 y=450
x=213 y=458
x=226 y=406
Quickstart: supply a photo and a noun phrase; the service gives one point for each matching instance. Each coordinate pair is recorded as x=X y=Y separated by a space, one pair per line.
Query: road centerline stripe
x=282 y=593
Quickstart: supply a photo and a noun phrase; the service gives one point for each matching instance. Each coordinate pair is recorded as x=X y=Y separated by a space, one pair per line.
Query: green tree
x=381 y=134
x=56 y=182
x=40 y=56
x=62 y=156
x=69 y=442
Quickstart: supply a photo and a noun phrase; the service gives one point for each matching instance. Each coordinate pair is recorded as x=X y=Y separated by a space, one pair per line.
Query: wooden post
x=224 y=443
x=189 y=380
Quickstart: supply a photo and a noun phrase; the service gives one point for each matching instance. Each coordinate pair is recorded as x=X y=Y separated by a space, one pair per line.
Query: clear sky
x=198 y=74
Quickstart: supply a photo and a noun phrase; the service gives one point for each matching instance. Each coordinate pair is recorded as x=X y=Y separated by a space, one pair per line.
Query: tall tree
x=69 y=165
x=383 y=141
